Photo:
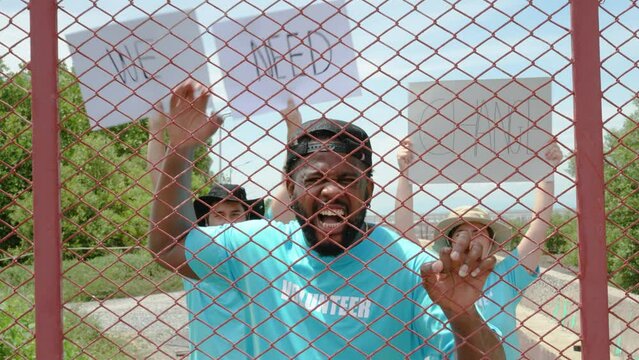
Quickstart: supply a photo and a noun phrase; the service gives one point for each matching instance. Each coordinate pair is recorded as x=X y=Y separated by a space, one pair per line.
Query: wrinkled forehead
x=329 y=163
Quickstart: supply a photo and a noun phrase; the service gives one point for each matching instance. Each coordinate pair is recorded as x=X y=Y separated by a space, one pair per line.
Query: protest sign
x=125 y=68
x=307 y=53
x=480 y=131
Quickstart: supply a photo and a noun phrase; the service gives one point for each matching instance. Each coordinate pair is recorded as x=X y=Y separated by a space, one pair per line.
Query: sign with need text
x=125 y=68
x=480 y=131
x=305 y=52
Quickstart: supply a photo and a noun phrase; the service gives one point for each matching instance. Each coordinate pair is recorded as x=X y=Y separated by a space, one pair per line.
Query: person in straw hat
x=517 y=270
x=511 y=275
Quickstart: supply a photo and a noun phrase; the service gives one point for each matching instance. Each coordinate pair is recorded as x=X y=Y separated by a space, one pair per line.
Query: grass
x=81 y=341
x=105 y=277
x=101 y=278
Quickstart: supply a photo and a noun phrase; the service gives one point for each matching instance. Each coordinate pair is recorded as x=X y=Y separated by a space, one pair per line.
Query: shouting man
x=328 y=285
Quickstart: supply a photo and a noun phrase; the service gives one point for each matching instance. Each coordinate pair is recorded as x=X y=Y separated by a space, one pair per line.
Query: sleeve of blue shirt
x=214 y=250
x=209 y=248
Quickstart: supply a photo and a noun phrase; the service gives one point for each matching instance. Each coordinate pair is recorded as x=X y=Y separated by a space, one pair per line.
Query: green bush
x=15 y=137
x=562 y=234
x=17 y=325
x=621 y=172
x=103 y=277
x=110 y=276
x=105 y=193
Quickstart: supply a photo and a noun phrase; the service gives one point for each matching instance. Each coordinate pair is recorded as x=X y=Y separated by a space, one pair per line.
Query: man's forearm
x=172 y=214
x=474 y=339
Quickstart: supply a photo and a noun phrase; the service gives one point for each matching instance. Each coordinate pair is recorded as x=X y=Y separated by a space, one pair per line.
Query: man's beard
x=352 y=233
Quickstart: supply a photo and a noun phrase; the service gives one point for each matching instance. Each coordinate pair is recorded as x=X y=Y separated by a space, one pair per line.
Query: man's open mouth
x=330 y=219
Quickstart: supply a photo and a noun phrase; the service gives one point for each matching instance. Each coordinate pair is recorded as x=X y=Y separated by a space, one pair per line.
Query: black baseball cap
x=227 y=192
x=329 y=135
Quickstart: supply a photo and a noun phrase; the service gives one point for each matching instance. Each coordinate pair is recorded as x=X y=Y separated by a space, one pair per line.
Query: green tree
x=15 y=147
x=105 y=186
x=562 y=234
x=621 y=172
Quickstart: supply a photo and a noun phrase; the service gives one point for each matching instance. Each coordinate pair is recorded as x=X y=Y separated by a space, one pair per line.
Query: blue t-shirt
x=293 y=303
x=221 y=312
x=216 y=306
x=502 y=294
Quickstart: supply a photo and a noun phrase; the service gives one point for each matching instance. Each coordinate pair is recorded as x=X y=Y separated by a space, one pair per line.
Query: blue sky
x=405 y=41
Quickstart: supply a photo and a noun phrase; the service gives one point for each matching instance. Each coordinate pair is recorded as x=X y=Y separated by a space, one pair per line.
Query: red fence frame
x=590 y=180
x=46 y=179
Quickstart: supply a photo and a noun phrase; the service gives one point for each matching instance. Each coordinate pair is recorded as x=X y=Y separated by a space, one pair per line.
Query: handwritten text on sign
x=125 y=68
x=305 y=52
x=483 y=131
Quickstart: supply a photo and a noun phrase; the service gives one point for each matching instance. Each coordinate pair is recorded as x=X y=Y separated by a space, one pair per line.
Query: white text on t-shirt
x=356 y=306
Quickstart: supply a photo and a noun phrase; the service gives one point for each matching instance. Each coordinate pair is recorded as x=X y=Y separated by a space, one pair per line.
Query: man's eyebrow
x=306 y=173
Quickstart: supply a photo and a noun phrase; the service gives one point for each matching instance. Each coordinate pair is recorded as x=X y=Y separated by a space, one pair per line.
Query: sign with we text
x=125 y=68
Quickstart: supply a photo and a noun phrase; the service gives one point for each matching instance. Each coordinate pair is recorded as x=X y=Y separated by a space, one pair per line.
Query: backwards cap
x=329 y=135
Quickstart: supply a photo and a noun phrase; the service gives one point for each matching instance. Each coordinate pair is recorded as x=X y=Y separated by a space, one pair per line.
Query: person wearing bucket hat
x=275 y=207
x=328 y=285
x=517 y=269
x=472 y=219
x=226 y=203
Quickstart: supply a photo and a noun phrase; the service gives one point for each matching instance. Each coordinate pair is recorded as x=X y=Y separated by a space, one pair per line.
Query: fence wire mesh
x=16 y=277
x=469 y=109
x=620 y=116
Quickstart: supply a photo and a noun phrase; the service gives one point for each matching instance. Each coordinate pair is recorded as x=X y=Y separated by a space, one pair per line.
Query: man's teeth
x=332 y=212
x=330 y=225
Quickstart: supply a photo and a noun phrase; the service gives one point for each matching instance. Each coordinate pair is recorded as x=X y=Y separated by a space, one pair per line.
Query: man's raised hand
x=189 y=125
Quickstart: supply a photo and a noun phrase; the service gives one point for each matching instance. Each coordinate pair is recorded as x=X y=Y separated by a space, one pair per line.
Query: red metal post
x=590 y=182
x=46 y=179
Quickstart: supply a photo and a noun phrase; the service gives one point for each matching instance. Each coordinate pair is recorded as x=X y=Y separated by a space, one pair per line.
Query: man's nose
x=331 y=189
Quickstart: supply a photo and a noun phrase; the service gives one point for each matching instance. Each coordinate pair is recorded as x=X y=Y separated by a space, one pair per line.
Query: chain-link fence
x=471 y=117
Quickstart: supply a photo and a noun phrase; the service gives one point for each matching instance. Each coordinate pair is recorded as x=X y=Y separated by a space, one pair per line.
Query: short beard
x=350 y=235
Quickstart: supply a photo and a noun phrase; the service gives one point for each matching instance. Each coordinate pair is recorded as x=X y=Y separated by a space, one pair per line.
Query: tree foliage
x=15 y=147
x=621 y=172
x=105 y=187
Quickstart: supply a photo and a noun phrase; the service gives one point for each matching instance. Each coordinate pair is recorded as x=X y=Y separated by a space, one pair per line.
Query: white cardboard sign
x=125 y=68
x=307 y=53
x=480 y=131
